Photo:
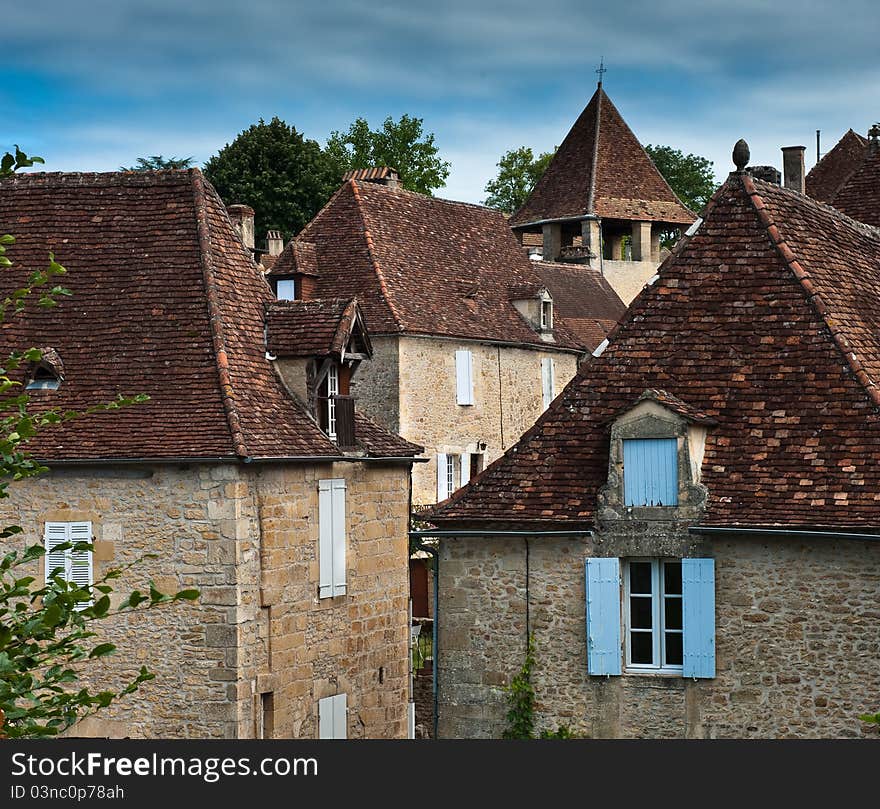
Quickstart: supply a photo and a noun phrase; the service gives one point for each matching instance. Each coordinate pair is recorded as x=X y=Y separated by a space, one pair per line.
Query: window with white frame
x=653 y=614
x=285 y=289
x=546 y=315
x=333 y=717
x=73 y=564
x=650 y=471
x=332 y=538
x=332 y=391
x=667 y=616
x=453 y=471
x=464 y=377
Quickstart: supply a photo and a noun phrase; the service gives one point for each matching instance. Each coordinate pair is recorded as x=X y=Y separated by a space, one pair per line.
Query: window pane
x=672 y=619
x=640 y=612
x=672 y=578
x=673 y=649
x=640 y=578
x=641 y=648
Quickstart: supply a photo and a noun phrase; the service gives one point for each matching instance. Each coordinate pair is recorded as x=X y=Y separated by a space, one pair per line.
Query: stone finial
x=741 y=155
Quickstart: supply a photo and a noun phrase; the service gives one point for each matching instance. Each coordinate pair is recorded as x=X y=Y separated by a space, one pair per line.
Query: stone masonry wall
x=507 y=400
x=375 y=385
x=797 y=641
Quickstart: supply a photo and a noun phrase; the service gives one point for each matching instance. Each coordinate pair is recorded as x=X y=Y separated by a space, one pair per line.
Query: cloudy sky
x=93 y=85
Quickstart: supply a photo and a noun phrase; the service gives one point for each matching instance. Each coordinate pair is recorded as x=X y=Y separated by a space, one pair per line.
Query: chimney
x=769 y=174
x=274 y=242
x=392 y=179
x=793 y=167
x=874 y=137
x=242 y=217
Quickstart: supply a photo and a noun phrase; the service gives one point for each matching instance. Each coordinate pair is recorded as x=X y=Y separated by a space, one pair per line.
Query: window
x=668 y=616
x=548 y=387
x=650 y=471
x=285 y=289
x=333 y=717
x=331 y=543
x=43 y=379
x=72 y=565
x=653 y=614
x=453 y=471
x=464 y=377
x=546 y=315
x=332 y=391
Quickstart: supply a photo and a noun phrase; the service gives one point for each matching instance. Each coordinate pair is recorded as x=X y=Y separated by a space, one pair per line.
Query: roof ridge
x=814 y=296
x=371 y=250
x=405 y=191
x=591 y=199
x=227 y=395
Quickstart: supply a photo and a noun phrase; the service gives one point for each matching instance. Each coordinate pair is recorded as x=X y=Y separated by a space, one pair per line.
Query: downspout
x=528 y=622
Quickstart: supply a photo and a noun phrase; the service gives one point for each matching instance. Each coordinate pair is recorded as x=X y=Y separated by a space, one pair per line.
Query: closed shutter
x=547 y=386
x=650 y=471
x=56 y=533
x=465 y=467
x=325 y=718
x=338 y=494
x=80 y=570
x=325 y=538
x=464 y=381
x=442 y=477
x=698 y=603
x=340 y=716
x=603 y=616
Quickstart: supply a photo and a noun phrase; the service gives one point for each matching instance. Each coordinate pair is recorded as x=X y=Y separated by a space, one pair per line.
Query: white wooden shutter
x=325 y=718
x=547 y=385
x=340 y=716
x=465 y=467
x=54 y=534
x=464 y=380
x=80 y=570
x=442 y=477
x=325 y=538
x=337 y=491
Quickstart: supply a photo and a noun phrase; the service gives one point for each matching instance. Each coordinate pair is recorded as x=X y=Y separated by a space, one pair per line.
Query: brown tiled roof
x=826 y=177
x=310 y=328
x=373 y=174
x=422 y=265
x=298 y=258
x=601 y=169
x=767 y=321
x=582 y=299
x=268 y=262
x=859 y=195
x=166 y=302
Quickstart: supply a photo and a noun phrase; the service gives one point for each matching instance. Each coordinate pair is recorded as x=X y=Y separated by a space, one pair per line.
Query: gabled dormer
x=47 y=373
x=535 y=304
x=294 y=274
x=316 y=347
x=655 y=460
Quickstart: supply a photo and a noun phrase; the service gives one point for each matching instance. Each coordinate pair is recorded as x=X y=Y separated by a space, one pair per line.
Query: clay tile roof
x=371 y=174
x=582 y=300
x=315 y=328
x=298 y=258
x=165 y=302
x=601 y=169
x=859 y=195
x=422 y=265
x=672 y=403
x=767 y=321
x=826 y=177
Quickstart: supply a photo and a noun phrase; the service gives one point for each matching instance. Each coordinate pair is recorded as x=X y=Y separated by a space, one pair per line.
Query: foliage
x=518 y=173
x=46 y=635
x=398 y=144
x=285 y=177
x=871 y=718
x=690 y=176
x=156 y=163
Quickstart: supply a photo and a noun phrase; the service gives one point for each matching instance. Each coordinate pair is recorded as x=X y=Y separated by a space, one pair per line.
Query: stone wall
x=507 y=400
x=375 y=385
x=628 y=277
x=247 y=538
x=797 y=639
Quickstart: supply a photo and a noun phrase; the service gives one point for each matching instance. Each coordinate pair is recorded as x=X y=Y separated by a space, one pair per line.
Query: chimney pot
x=274 y=243
x=793 y=167
x=242 y=217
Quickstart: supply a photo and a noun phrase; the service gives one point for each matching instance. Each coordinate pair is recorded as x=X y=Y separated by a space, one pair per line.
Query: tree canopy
x=401 y=145
x=157 y=162
x=518 y=172
x=285 y=177
x=690 y=176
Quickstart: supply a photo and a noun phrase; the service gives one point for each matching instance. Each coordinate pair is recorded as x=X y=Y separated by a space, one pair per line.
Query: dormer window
x=546 y=315
x=43 y=379
x=285 y=289
x=650 y=471
x=47 y=373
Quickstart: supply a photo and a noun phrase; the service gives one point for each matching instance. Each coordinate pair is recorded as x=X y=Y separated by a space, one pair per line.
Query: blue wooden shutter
x=650 y=471
x=698 y=597
x=603 y=616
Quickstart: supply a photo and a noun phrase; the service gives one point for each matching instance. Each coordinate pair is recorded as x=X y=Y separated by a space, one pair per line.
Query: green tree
x=46 y=629
x=156 y=163
x=518 y=173
x=399 y=144
x=690 y=176
x=285 y=177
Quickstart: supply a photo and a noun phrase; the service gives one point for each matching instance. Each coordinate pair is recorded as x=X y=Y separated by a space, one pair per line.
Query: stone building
x=600 y=187
x=829 y=173
x=691 y=532
x=471 y=340
x=297 y=542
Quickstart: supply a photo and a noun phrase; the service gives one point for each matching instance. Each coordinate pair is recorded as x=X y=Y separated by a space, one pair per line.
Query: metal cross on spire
x=601 y=69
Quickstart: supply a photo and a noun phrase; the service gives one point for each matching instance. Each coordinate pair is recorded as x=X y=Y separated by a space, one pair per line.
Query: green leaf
x=102 y=650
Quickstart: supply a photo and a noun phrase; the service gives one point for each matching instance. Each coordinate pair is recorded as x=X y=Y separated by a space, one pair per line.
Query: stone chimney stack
x=793 y=167
x=274 y=242
x=874 y=137
x=242 y=217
